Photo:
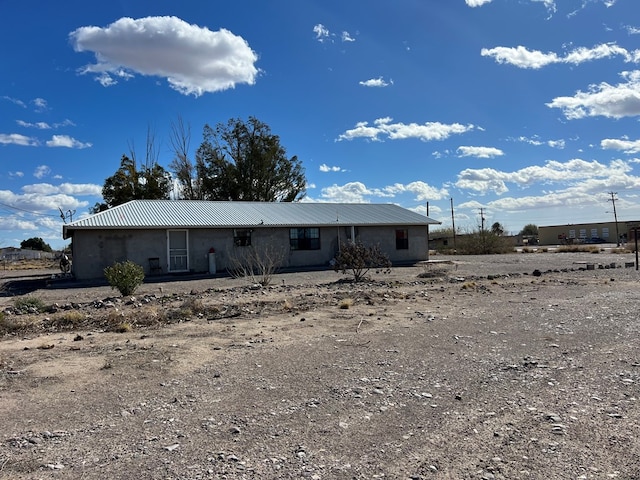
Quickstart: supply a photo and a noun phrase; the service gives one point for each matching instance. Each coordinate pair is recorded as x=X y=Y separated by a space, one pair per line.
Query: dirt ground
x=522 y=366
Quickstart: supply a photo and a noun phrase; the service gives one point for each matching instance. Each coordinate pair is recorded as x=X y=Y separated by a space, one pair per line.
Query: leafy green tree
x=150 y=182
x=497 y=229
x=35 y=243
x=529 y=229
x=244 y=161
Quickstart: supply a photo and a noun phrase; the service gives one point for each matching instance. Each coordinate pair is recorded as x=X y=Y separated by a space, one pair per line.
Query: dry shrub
x=68 y=320
x=257 y=264
x=345 y=303
x=117 y=321
x=468 y=285
x=192 y=306
x=151 y=315
x=29 y=304
x=287 y=305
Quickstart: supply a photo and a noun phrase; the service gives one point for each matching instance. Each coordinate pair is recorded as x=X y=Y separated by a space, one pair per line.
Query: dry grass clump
x=151 y=316
x=287 y=305
x=69 y=320
x=468 y=286
x=117 y=321
x=345 y=303
x=192 y=306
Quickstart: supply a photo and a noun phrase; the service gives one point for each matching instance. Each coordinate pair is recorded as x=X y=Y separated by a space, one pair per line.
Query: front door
x=178 y=241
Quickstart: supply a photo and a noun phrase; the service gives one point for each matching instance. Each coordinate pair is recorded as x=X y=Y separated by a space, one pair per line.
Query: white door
x=178 y=241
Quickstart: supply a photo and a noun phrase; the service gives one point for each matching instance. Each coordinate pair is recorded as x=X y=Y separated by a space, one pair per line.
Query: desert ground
x=518 y=366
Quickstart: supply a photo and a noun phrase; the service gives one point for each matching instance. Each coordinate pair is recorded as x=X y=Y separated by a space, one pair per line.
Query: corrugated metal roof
x=203 y=214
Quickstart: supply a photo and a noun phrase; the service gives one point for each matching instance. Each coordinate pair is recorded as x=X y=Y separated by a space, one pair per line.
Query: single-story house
x=182 y=236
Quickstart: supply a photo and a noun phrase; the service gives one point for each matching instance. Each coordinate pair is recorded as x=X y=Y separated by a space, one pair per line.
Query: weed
x=287 y=305
x=345 y=303
x=192 y=306
x=71 y=319
x=29 y=305
x=468 y=285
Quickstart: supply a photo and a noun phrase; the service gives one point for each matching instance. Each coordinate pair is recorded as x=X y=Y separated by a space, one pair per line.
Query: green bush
x=29 y=305
x=125 y=277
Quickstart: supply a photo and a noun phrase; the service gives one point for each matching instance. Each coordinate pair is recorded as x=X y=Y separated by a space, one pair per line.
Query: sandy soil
x=473 y=370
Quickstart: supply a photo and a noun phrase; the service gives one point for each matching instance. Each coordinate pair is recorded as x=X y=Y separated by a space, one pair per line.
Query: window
x=605 y=232
x=304 y=238
x=242 y=238
x=402 y=239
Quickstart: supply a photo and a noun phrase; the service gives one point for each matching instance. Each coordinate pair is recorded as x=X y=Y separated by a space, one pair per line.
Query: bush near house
x=357 y=259
x=125 y=277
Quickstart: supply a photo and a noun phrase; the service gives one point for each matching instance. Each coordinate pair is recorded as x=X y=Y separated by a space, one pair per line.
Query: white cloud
x=326 y=168
x=476 y=3
x=422 y=191
x=38 y=125
x=193 y=59
x=479 y=152
x=346 y=37
x=67 y=142
x=15 y=101
x=79 y=189
x=17 y=139
x=352 y=192
x=37 y=202
x=625 y=145
x=18 y=174
x=41 y=171
x=40 y=104
x=400 y=131
x=322 y=33
x=522 y=57
x=376 y=82
x=633 y=30
x=614 y=101
x=536 y=141
x=485 y=180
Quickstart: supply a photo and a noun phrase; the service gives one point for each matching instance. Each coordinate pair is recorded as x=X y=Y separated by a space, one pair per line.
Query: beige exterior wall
x=605 y=230
x=93 y=250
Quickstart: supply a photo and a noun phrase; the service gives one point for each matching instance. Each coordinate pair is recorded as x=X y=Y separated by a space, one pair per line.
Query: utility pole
x=427 y=231
x=615 y=215
x=453 y=225
x=482 y=219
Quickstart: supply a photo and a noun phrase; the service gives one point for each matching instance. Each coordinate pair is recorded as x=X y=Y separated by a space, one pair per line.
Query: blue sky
x=526 y=109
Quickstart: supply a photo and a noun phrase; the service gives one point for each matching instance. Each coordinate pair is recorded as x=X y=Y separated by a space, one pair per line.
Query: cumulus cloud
x=484 y=180
x=479 y=152
x=79 y=189
x=67 y=142
x=624 y=144
x=17 y=174
x=522 y=57
x=17 y=139
x=193 y=59
x=383 y=127
x=376 y=82
x=613 y=101
x=421 y=190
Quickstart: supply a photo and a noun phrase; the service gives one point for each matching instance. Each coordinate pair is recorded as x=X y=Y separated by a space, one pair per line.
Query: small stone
x=171 y=448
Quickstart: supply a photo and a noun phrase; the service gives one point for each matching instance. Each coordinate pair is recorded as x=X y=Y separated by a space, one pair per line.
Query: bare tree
x=257 y=264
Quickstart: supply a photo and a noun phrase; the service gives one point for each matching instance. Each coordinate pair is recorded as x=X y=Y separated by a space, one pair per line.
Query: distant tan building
x=575 y=233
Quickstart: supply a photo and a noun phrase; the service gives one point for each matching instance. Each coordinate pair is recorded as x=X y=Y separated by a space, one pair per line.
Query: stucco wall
x=97 y=249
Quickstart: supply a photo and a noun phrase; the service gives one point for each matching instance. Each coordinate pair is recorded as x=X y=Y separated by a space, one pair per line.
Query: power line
x=27 y=211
